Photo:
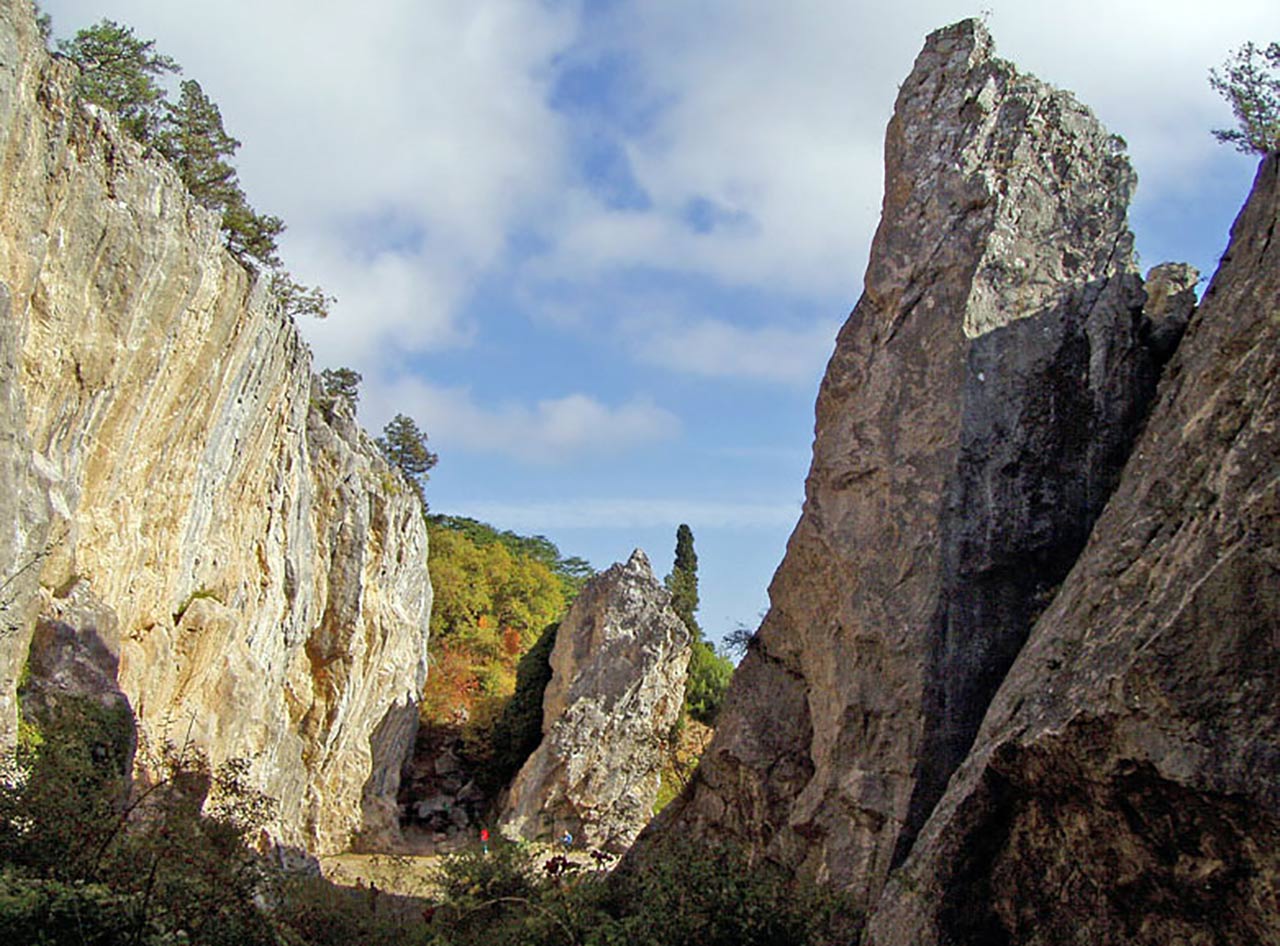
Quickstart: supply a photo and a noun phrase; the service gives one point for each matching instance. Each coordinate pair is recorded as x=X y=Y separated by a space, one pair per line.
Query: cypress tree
x=683 y=581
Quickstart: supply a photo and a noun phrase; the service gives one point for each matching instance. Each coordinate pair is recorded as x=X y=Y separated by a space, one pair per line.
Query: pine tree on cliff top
x=405 y=447
x=193 y=139
x=119 y=71
x=1250 y=82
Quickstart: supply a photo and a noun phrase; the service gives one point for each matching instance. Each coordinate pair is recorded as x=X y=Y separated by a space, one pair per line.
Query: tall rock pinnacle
x=981 y=401
x=617 y=685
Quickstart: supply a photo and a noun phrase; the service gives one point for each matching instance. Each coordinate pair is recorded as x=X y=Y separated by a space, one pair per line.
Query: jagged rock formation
x=1125 y=785
x=168 y=454
x=618 y=674
x=974 y=419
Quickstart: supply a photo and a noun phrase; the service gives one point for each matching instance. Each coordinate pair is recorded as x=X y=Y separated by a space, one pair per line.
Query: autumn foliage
x=495 y=594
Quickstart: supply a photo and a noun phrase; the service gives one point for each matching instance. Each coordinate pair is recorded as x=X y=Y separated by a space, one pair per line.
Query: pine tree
x=342 y=382
x=250 y=235
x=192 y=137
x=405 y=447
x=1251 y=84
x=297 y=300
x=118 y=71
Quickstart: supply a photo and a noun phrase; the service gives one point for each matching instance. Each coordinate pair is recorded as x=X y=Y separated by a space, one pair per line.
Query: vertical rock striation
x=617 y=685
x=981 y=401
x=265 y=568
x=1125 y=785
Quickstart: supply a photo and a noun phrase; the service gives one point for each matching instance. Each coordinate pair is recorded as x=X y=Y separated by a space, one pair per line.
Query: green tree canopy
x=252 y=236
x=405 y=447
x=683 y=581
x=341 y=382
x=191 y=136
x=707 y=683
x=119 y=72
x=709 y=672
x=297 y=300
x=1250 y=82
x=573 y=571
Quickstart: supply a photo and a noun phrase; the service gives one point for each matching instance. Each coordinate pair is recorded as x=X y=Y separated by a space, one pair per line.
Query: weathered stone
x=1171 y=298
x=617 y=685
x=25 y=513
x=1125 y=785
x=75 y=652
x=1171 y=291
x=981 y=401
x=266 y=567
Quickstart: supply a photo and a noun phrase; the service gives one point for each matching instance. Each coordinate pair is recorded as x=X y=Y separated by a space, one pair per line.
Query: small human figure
x=567 y=840
x=484 y=840
x=373 y=897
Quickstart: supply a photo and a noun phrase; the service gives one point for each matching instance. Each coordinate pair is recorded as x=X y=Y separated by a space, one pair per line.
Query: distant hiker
x=373 y=897
x=567 y=840
x=484 y=840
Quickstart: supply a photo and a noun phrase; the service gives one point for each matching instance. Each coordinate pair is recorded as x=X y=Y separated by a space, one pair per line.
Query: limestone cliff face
x=265 y=568
x=1125 y=785
x=618 y=674
x=974 y=418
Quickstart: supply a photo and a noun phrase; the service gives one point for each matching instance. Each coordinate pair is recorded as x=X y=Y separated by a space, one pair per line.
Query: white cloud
x=776 y=113
x=402 y=140
x=714 y=348
x=551 y=431
x=632 y=513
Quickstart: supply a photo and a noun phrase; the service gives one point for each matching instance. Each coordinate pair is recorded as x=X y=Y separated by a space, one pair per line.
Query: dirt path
x=404 y=874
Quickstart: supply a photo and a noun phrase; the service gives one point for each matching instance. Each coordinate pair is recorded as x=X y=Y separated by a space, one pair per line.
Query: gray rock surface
x=1125 y=785
x=617 y=685
x=981 y=401
x=265 y=568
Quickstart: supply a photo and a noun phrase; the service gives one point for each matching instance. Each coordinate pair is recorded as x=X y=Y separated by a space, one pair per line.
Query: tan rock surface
x=266 y=568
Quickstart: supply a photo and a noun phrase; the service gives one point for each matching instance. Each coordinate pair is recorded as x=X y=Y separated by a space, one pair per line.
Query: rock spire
x=617 y=685
x=980 y=404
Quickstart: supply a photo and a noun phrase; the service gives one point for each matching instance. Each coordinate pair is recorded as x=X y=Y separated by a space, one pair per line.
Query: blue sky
x=600 y=250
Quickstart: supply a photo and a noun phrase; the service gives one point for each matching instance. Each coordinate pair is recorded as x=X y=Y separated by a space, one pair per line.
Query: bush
x=707 y=683
x=519 y=728
x=83 y=846
x=708 y=895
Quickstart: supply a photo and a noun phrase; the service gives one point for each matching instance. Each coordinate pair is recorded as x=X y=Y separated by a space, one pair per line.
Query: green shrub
x=707 y=683
x=703 y=895
x=38 y=912
x=519 y=729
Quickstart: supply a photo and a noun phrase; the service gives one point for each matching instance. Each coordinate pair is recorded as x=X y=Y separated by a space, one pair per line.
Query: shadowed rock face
x=168 y=456
x=976 y=414
x=617 y=685
x=1125 y=785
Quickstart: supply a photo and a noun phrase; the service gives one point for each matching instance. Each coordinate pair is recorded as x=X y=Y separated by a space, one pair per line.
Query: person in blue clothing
x=567 y=840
